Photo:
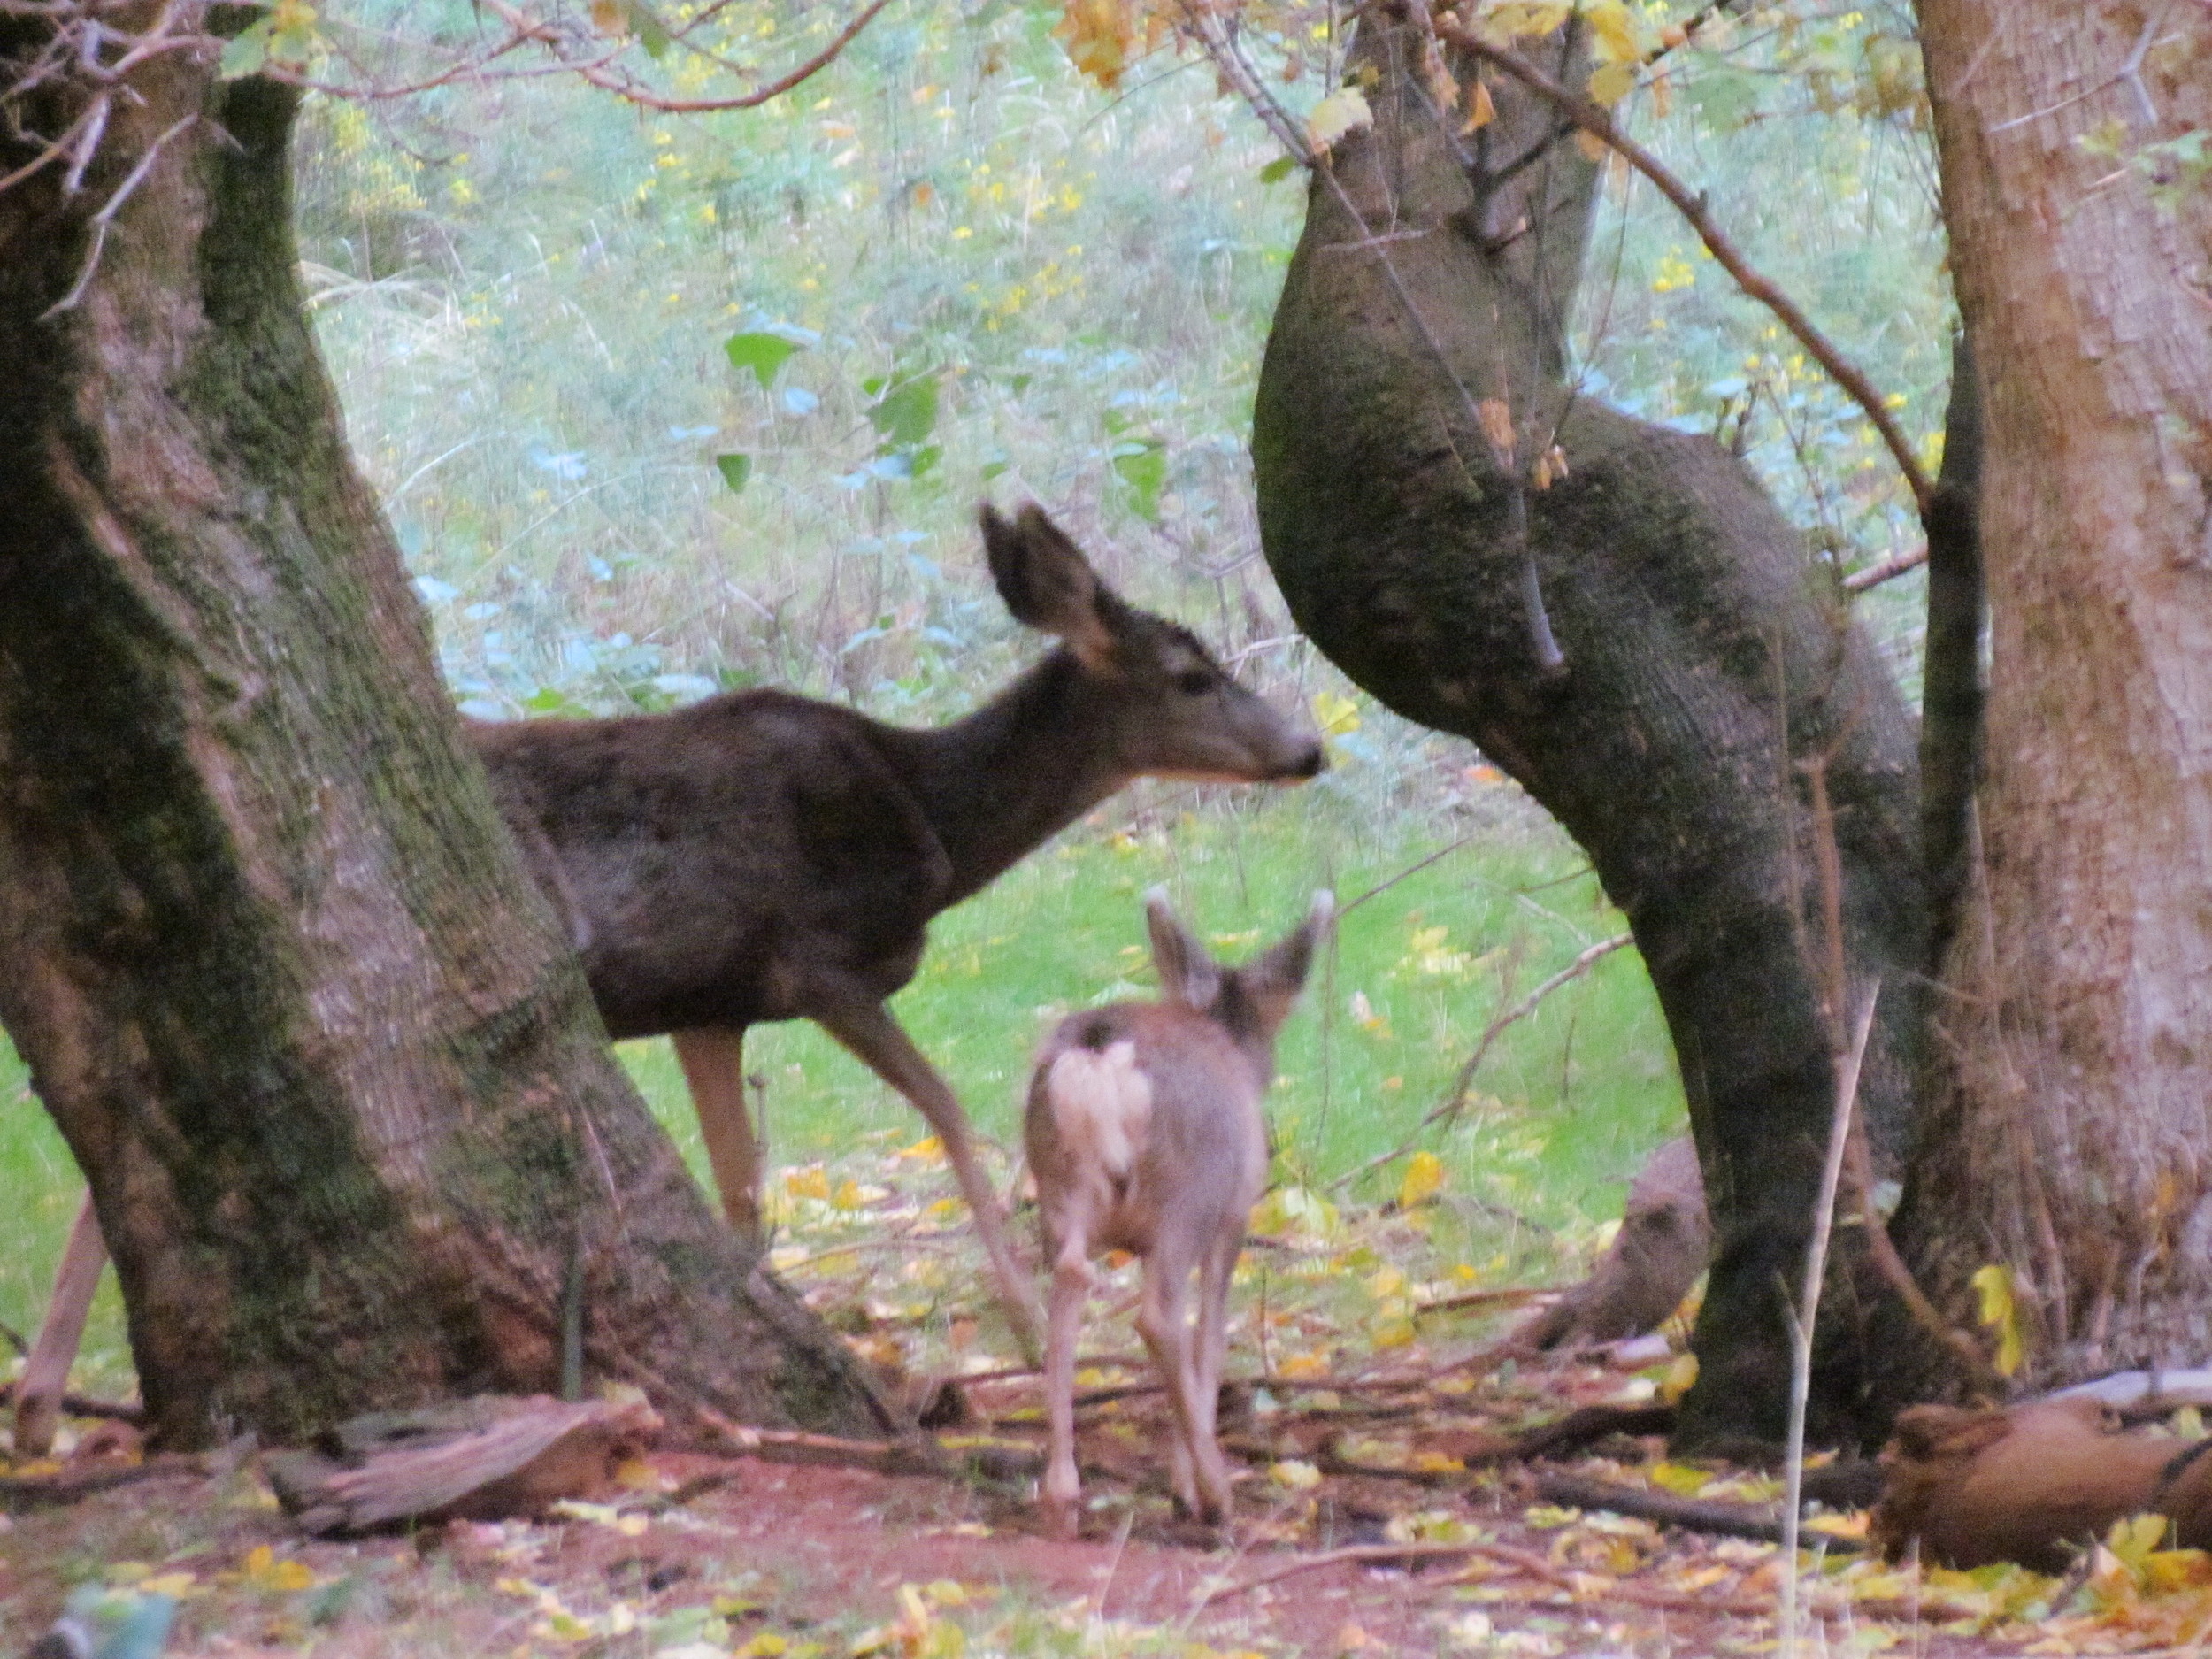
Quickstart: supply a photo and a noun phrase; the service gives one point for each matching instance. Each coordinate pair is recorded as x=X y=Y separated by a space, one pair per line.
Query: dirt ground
x=703 y=1556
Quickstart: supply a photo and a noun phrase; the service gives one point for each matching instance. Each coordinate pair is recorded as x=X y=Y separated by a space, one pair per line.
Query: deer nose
x=1311 y=764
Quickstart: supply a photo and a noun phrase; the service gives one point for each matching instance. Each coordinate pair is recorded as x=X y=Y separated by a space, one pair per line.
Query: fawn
x=1144 y=1133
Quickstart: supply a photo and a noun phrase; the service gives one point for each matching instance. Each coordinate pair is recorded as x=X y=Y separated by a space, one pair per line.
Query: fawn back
x=1144 y=1132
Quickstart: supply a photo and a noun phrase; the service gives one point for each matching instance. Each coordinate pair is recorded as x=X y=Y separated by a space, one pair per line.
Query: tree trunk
x=1706 y=660
x=2069 y=1138
x=346 y=1112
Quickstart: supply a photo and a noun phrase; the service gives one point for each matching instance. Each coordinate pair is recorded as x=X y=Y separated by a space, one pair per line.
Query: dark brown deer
x=759 y=856
x=1144 y=1133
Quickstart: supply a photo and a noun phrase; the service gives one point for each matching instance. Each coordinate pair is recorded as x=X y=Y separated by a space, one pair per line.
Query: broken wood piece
x=1692 y=1515
x=2033 y=1483
x=484 y=1459
x=1664 y=1242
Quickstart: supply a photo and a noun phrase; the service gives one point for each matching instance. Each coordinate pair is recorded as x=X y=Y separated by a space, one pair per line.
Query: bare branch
x=1594 y=120
x=1456 y=1101
x=1875 y=575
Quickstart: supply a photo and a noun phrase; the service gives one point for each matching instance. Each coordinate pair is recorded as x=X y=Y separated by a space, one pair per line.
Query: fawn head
x=1173 y=710
x=1252 y=1001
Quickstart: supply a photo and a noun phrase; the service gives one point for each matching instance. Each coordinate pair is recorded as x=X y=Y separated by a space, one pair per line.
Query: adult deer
x=1145 y=1134
x=760 y=856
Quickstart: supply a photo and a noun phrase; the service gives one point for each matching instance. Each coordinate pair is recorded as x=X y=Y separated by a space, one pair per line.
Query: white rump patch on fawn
x=1102 y=1104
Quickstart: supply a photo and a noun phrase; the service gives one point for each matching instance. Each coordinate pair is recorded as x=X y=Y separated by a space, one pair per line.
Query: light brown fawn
x=1145 y=1134
x=759 y=856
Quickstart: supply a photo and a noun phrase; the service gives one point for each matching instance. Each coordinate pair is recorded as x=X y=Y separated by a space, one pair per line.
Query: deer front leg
x=866 y=1027
x=46 y=1372
x=713 y=1059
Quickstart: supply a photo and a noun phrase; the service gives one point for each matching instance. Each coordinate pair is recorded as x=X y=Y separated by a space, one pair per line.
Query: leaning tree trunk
x=345 y=1110
x=2073 y=1142
x=1706 y=661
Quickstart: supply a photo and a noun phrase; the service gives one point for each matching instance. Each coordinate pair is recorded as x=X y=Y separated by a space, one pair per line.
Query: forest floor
x=702 y=1557
x=1392 y=1495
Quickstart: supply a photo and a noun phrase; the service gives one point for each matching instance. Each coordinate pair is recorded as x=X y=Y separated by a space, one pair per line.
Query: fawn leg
x=1214 y=1273
x=866 y=1027
x=1062 y=1484
x=1164 y=1323
x=713 y=1059
x=46 y=1372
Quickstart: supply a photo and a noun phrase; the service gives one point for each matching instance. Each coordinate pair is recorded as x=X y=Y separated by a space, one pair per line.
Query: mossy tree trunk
x=346 y=1109
x=2069 y=1137
x=1706 y=662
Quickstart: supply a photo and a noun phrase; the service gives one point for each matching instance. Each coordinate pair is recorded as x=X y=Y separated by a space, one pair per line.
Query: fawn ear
x=1049 y=585
x=1281 y=972
x=1187 y=974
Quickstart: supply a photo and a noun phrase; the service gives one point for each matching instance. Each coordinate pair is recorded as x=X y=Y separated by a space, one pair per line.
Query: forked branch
x=1594 y=120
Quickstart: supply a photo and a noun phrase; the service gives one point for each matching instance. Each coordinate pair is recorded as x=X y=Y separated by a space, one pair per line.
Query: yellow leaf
x=1098 y=35
x=1337 y=717
x=848 y=1195
x=1612 y=31
x=1680 y=1377
x=1680 y=1478
x=1294 y=1476
x=1609 y=83
x=1424 y=1178
x=1336 y=115
x=2000 y=1312
x=1497 y=426
x=928 y=1149
x=1480 y=111
x=611 y=17
x=766 y=1644
x=810 y=1182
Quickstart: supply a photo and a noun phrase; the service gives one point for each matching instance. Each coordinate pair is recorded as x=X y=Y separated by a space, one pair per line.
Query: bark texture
x=1705 y=657
x=2069 y=1138
x=345 y=1110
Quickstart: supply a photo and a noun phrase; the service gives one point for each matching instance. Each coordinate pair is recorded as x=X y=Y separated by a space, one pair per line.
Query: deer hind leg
x=1062 y=1487
x=713 y=1059
x=46 y=1372
x=1214 y=1273
x=1163 y=1321
x=866 y=1027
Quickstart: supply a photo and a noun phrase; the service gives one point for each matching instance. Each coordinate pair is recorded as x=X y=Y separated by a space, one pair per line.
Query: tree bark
x=2067 y=1136
x=1706 y=660
x=348 y=1115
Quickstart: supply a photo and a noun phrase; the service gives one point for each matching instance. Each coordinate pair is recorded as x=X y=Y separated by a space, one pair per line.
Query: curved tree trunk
x=2072 y=1141
x=346 y=1112
x=1706 y=661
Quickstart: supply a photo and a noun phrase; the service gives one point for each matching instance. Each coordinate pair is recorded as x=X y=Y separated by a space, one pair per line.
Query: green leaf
x=1142 y=465
x=761 y=351
x=650 y=35
x=244 y=54
x=1277 y=170
x=906 y=414
x=735 y=470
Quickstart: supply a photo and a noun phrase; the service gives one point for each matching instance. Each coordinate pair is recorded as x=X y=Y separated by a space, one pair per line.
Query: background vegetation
x=663 y=405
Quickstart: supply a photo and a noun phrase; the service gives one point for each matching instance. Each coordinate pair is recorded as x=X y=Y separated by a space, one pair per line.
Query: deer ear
x=1282 y=970
x=1048 y=584
x=1187 y=974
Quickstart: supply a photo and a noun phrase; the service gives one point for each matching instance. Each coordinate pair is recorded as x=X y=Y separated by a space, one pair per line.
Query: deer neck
x=997 y=784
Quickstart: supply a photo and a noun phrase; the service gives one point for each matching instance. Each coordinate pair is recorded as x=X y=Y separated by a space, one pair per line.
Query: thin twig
x=1452 y=1103
x=105 y=217
x=1803 y=1318
x=596 y=72
x=1594 y=120
x=1875 y=575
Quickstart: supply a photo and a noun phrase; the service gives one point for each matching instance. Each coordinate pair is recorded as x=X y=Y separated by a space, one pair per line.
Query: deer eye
x=1193 y=682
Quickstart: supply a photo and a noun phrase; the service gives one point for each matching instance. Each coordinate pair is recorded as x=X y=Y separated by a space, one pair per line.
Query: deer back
x=1144 y=1117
